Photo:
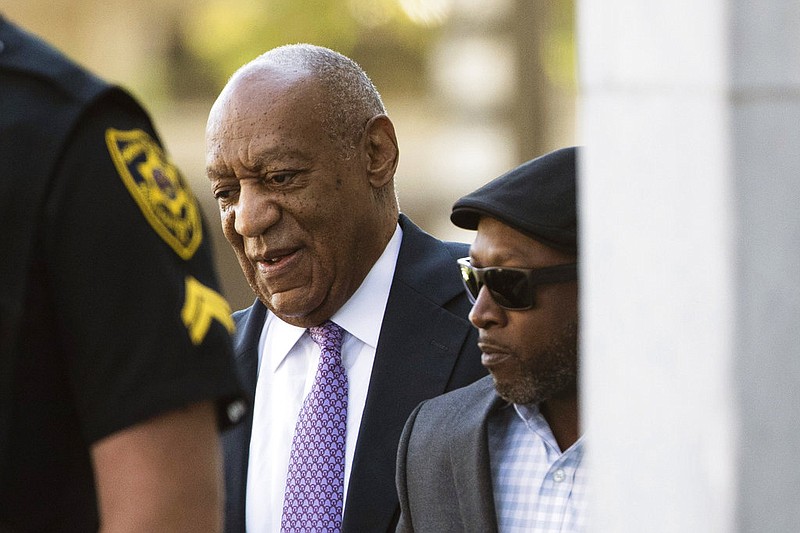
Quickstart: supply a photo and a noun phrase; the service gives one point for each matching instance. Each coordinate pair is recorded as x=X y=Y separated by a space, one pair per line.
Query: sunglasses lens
x=512 y=288
x=471 y=282
x=509 y=288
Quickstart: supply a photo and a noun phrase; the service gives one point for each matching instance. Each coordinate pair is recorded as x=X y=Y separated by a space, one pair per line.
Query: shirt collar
x=283 y=337
x=534 y=419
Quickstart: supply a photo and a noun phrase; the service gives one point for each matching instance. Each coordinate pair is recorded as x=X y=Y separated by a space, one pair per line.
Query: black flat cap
x=537 y=198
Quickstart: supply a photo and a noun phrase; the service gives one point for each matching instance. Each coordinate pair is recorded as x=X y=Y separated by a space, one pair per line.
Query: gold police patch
x=158 y=188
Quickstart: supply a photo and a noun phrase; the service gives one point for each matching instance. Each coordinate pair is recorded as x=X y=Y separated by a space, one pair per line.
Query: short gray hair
x=352 y=99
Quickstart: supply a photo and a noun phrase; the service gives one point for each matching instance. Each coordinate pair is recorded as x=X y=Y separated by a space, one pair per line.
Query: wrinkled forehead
x=258 y=103
x=258 y=116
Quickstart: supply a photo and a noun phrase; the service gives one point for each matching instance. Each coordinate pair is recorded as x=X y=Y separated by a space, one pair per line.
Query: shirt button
x=559 y=475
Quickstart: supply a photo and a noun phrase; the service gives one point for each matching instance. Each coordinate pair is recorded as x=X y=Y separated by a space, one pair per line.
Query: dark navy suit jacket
x=426 y=347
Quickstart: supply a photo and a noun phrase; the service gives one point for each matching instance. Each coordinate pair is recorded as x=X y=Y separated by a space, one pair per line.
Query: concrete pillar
x=690 y=203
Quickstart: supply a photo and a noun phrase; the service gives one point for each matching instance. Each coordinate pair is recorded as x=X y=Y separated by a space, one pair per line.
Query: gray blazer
x=444 y=478
x=426 y=347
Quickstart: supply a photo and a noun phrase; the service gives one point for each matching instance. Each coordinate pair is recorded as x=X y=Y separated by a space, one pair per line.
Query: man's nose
x=255 y=211
x=485 y=312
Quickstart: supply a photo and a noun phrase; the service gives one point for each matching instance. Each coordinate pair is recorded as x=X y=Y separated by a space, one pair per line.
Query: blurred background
x=474 y=87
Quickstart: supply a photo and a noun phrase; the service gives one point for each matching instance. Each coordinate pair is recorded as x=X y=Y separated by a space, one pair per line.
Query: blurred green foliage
x=559 y=55
x=219 y=36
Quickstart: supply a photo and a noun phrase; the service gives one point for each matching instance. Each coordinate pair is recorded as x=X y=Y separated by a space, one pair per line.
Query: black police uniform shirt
x=121 y=320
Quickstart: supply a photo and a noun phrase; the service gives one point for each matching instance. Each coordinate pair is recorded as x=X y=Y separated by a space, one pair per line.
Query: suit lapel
x=475 y=503
x=419 y=344
x=236 y=441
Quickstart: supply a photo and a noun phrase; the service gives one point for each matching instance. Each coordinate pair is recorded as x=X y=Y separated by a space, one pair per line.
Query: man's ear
x=381 y=150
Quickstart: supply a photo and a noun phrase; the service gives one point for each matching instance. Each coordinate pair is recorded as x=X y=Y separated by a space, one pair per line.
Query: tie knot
x=328 y=336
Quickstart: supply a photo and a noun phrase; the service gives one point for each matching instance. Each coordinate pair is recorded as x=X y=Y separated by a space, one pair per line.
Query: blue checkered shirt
x=537 y=488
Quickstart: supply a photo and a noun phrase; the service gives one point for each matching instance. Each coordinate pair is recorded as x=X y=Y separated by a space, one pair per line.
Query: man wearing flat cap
x=506 y=453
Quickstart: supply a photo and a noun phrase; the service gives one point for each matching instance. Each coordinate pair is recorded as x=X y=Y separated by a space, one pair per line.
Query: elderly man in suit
x=506 y=453
x=360 y=315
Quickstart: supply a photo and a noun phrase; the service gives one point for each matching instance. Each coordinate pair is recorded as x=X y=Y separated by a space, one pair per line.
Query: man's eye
x=223 y=194
x=282 y=178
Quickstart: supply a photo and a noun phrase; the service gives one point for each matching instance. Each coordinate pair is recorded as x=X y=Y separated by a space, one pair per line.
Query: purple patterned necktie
x=315 y=484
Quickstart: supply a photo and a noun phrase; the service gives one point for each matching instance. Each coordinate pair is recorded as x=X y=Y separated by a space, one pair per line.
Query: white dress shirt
x=287 y=363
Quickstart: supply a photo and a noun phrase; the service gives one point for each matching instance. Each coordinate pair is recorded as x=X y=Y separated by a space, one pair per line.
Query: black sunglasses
x=512 y=288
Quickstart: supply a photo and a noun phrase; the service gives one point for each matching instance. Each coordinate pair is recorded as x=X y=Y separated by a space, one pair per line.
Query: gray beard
x=552 y=372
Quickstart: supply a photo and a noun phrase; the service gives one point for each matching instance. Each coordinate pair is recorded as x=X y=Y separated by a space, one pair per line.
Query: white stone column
x=690 y=209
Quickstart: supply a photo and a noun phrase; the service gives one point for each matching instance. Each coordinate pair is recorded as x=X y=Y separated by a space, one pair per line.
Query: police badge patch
x=158 y=188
